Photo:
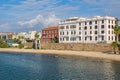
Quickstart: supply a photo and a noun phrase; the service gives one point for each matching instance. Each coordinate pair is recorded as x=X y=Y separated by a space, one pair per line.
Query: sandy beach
x=100 y=55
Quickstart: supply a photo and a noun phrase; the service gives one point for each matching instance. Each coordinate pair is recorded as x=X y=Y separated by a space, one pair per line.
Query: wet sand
x=91 y=54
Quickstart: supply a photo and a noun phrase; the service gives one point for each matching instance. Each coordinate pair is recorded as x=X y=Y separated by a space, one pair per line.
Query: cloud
x=20 y=15
x=41 y=21
x=36 y=23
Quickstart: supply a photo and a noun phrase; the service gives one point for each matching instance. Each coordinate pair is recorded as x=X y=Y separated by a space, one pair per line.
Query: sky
x=28 y=15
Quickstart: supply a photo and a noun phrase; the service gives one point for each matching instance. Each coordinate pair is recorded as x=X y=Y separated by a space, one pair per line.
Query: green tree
x=54 y=40
x=115 y=46
x=21 y=46
x=3 y=44
x=36 y=36
x=117 y=32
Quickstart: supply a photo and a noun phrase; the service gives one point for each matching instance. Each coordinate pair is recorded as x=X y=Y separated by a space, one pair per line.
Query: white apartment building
x=87 y=30
x=30 y=35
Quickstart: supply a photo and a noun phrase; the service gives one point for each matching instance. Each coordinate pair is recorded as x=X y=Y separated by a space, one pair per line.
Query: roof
x=51 y=27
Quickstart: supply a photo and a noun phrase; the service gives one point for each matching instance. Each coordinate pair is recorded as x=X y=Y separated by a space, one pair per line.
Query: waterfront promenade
x=101 y=55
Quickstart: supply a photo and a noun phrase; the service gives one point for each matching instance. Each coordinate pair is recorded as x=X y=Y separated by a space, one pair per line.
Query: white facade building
x=28 y=35
x=87 y=30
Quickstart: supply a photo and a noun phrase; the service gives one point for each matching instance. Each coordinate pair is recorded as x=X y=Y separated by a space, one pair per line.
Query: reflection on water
x=16 y=66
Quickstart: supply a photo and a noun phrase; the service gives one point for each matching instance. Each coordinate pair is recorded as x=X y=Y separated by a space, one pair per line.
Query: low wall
x=77 y=46
x=28 y=45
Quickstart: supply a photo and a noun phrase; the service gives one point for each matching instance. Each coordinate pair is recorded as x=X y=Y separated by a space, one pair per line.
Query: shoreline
x=91 y=54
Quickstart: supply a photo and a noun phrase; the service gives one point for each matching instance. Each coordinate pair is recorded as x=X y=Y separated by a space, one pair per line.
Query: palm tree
x=36 y=36
x=36 y=41
x=117 y=32
x=115 y=46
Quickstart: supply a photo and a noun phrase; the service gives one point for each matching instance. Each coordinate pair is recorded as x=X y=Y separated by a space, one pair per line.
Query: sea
x=31 y=66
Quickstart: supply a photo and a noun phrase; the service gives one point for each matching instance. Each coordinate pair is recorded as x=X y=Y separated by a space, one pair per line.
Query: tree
x=115 y=46
x=54 y=40
x=36 y=36
x=117 y=32
x=21 y=46
x=3 y=44
x=36 y=42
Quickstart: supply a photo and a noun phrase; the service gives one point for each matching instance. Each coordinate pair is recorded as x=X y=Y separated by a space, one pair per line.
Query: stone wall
x=28 y=45
x=77 y=46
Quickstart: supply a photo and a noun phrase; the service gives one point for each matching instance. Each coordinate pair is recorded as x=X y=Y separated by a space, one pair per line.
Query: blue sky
x=26 y=15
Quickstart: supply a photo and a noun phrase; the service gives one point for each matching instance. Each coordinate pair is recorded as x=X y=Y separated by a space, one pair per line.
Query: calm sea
x=17 y=66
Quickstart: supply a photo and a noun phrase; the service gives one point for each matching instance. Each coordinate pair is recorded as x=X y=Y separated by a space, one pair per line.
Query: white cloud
x=41 y=21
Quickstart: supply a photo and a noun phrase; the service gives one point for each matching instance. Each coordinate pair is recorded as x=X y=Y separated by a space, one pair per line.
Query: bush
x=21 y=46
x=3 y=44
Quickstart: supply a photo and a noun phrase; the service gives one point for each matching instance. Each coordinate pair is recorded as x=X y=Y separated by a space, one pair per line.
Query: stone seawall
x=76 y=46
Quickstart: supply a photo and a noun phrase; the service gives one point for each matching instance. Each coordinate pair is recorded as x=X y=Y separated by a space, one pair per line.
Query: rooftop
x=51 y=27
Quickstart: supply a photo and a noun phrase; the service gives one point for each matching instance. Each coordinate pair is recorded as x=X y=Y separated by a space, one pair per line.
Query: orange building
x=50 y=34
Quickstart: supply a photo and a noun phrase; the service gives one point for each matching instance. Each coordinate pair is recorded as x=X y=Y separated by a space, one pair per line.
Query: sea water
x=28 y=66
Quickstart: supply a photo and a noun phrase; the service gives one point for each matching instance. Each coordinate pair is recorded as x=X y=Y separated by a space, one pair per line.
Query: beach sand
x=91 y=54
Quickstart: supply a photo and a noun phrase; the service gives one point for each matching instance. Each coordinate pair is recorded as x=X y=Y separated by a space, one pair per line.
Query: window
x=67 y=32
x=60 y=33
x=90 y=27
x=67 y=38
x=63 y=39
x=73 y=38
x=79 y=28
x=90 y=32
x=62 y=27
x=108 y=32
x=79 y=38
x=109 y=38
x=72 y=26
x=109 y=26
x=102 y=37
x=90 y=37
x=112 y=37
x=95 y=22
x=74 y=32
x=60 y=39
x=95 y=37
x=102 y=32
x=79 y=23
x=115 y=22
x=112 y=26
x=63 y=33
x=79 y=33
x=102 y=21
x=85 y=23
x=102 y=26
x=109 y=21
x=112 y=21
x=85 y=27
x=112 y=32
x=90 y=22
x=71 y=32
x=85 y=38
x=95 y=32
x=95 y=27
x=85 y=33
x=67 y=27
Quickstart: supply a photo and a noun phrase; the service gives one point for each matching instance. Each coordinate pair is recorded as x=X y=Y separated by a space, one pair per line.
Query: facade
x=50 y=33
x=6 y=35
x=87 y=30
x=26 y=35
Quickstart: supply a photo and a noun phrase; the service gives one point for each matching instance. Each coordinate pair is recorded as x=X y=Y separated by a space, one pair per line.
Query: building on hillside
x=6 y=35
x=50 y=34
x=87 y=30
